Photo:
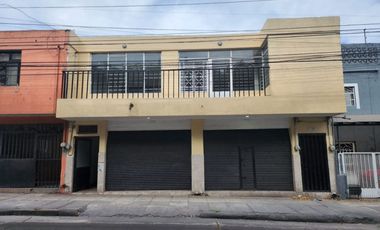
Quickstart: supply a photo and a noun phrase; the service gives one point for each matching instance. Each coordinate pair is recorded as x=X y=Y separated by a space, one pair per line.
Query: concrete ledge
x=29 y=190
x=296 y=217
x=42 y=212
x=179 y=193
x=144 y=193
x=321 y=195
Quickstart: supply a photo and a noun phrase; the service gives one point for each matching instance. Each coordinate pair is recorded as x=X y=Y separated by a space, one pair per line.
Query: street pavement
x=154 y=223
x=86 y=209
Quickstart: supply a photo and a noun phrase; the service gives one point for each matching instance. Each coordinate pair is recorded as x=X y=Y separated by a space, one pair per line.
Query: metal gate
x=30 y=155
x=148 y=160
x=362 y=168
x=248 y=160
x=314 y=163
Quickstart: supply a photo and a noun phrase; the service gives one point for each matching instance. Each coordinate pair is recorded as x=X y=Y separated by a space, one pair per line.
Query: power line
x=184 y=39
x=27 y=15
x=195 y=30
x=141 y=5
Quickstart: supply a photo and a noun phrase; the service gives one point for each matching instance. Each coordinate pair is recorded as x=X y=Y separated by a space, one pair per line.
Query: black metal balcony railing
x=173 y=83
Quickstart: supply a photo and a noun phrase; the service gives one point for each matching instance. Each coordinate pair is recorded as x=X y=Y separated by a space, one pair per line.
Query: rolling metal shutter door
x=248 y=160
x=148 y=160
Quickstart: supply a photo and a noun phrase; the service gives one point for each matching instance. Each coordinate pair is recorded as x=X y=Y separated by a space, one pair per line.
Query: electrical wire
x=141 y=5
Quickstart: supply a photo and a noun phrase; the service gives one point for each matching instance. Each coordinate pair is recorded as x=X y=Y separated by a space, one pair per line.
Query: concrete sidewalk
x=278 y=209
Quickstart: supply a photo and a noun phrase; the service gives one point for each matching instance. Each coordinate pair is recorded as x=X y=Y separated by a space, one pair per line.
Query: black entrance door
x=314 y=164
x=86 y=162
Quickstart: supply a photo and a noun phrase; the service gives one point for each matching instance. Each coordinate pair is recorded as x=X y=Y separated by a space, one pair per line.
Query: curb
x=296 y=218
x=42 y=212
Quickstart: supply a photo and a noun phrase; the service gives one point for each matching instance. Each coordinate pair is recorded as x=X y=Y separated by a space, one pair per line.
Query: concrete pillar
x=296 y=158
x=103 y=136
x=331 y=156
x=197 y=158
x=69 y=166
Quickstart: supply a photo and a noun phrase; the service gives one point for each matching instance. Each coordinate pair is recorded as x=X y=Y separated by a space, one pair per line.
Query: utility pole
x=365 y=36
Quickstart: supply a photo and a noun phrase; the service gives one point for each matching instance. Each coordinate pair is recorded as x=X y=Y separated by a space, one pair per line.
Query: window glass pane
x=99 y=81
x=193 y=55
x=99 y=62
x=221 y=75
x=152 y=72
x=4 y=57
x=12 y=75
x=135 y=73
x=116 y=73
x=350 y=95
x=16 y=56
x=155 y=57
x=220 y=54
x=244 y=75
x=152 y=61
x=117 y=61
x=242 y=54
x=3 y=75
x=135 y=61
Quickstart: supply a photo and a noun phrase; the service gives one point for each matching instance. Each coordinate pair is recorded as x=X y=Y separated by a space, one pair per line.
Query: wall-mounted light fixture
x=65 y=146
x=297 y=148
x=220 y=43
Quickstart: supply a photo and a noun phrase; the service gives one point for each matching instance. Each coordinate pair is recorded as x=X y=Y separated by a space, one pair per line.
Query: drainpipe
x=57 y=81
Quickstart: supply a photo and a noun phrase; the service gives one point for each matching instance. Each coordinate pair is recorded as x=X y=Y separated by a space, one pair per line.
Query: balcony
x=200 y=82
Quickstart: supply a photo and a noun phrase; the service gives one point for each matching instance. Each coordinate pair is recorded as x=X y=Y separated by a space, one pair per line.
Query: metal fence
x=172 y=83
x=30 y=155
x=362 y=168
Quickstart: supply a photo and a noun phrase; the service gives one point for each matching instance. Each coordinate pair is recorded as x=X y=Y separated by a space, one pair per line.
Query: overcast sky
x=242 y=16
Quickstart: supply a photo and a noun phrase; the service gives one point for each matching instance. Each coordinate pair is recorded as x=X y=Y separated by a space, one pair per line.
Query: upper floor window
x=220 y=71
x=10 y=62
x=351 y=92
x=136 y=72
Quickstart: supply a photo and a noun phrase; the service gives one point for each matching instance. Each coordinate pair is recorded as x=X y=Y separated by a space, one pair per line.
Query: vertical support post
x=331 y=157
x=374 y=171
x=103 y=136
x=69 y=167
x=296 y=158
x=197 y=157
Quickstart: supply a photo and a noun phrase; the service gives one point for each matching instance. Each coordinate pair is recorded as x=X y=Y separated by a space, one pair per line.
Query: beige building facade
x=247 y=112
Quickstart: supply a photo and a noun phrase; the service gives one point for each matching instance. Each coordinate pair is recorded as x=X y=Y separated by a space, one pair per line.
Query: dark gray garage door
x=248 y=160
x=148 y=160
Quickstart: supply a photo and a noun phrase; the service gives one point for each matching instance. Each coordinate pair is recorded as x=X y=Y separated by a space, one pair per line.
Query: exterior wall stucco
x=39 y=85
x=314 y=87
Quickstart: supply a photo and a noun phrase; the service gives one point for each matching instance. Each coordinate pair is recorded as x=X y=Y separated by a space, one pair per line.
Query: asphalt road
x=189 y=224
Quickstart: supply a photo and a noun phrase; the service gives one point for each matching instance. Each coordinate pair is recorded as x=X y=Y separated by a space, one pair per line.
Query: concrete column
x=69 y=167
x=296 y=158
x=197 y=158
x=103 y=136
x=331 y=156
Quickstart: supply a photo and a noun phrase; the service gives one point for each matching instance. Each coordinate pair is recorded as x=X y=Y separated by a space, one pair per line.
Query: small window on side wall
x=10 y=62
x=351 y=93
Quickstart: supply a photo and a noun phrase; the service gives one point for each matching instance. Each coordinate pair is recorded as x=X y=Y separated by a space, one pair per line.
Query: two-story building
x=247 y=112
x=357 y=133
x=30 y=134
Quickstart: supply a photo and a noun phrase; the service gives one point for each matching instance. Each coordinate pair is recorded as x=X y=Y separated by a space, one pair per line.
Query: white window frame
x=356 y=91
